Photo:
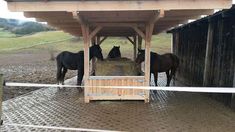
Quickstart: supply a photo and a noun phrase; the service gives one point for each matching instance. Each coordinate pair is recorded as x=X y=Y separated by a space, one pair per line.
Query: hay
x=116 y=67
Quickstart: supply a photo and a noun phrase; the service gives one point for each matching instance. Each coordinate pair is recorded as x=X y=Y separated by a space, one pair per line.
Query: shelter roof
x=116 y=17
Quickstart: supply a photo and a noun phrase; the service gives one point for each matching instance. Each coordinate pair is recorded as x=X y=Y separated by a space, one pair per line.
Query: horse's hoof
x=155 y=91
x=79 y=90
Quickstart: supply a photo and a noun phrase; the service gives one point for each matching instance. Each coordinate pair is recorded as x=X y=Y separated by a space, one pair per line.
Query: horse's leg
x=59 y=70
x=168 y=78
x=155 y=80
x=63 y=75
x=79 y=78
x=93 y=73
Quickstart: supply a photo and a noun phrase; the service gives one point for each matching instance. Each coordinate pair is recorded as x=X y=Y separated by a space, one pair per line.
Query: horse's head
x=116 y=51
x=96 y=51
x=141 y=56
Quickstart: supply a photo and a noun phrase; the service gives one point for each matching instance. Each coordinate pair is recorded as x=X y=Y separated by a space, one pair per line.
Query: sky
x=5 y=13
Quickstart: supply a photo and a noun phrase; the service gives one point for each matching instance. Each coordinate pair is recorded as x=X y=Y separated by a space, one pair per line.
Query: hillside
x=60 y=41
x=22 y=27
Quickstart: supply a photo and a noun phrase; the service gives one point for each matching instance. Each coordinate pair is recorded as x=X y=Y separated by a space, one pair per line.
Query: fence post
x=1 y=98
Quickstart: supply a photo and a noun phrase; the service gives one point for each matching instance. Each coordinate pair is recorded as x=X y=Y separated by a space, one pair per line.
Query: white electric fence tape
x=59 y=128
x=181 y=89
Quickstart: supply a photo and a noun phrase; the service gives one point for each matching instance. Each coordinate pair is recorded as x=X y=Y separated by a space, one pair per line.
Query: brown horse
x=160 y=63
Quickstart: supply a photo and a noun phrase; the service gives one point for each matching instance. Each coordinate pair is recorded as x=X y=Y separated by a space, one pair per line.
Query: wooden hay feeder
x=118 y=72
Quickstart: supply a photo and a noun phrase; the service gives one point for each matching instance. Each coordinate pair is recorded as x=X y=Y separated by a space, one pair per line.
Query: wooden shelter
x=97 y=19
x=206 y=48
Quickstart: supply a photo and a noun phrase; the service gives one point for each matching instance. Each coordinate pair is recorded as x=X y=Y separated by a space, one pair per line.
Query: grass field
x=6 y=34
x=60 y=41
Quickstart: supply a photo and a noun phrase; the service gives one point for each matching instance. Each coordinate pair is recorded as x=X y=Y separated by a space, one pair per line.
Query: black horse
x=160 y=63
x=114 y=52
x=75 y=61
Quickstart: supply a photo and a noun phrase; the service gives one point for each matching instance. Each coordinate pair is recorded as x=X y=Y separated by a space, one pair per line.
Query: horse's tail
x=176 y=63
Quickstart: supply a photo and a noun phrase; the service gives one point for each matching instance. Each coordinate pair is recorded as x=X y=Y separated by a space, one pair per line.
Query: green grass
x=16 y=43
x=47 y=41
x=6 y=34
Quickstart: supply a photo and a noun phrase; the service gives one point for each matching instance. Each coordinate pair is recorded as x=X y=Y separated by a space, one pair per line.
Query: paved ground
x=167 y=112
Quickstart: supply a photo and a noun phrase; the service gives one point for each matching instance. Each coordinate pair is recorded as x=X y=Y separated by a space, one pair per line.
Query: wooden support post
x=134 y=48
x=93 y=42
x=133 y=42
x=139 y=47
x=172 y=43
x=1 y=98
x=85 y=32
x=98 y=40
x=149 y=31
x=139 y=42
x=208 y=55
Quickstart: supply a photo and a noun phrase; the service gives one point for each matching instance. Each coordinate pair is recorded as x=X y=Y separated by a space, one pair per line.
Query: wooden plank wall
x=223 y=56
x=189 y=43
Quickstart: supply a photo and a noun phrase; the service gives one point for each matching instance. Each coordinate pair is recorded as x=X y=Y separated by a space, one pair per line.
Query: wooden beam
x=151 y=28
x=208 y=55
x=48 y=14
x=157 y=16
x=56 y=20
x=163 y=28
x=135 y=48
x=102 y=40
x=115 y=24
x=132 y=42
x=94 y=32
x=118 y=5
x=93 y=64
x=100 y=19
x=139 y=32
x=97 y=39
x=139 y=42
x=193 y=12
x=79 y=18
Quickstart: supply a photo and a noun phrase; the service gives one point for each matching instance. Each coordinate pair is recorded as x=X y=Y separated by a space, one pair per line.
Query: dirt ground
x=27 y=67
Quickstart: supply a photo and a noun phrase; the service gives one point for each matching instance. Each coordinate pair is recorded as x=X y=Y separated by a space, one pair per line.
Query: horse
x=114 y=53
x=75 y=61
x=160 y=63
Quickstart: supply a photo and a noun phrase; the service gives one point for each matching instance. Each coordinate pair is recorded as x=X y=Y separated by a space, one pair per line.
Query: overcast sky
x=5 y=13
